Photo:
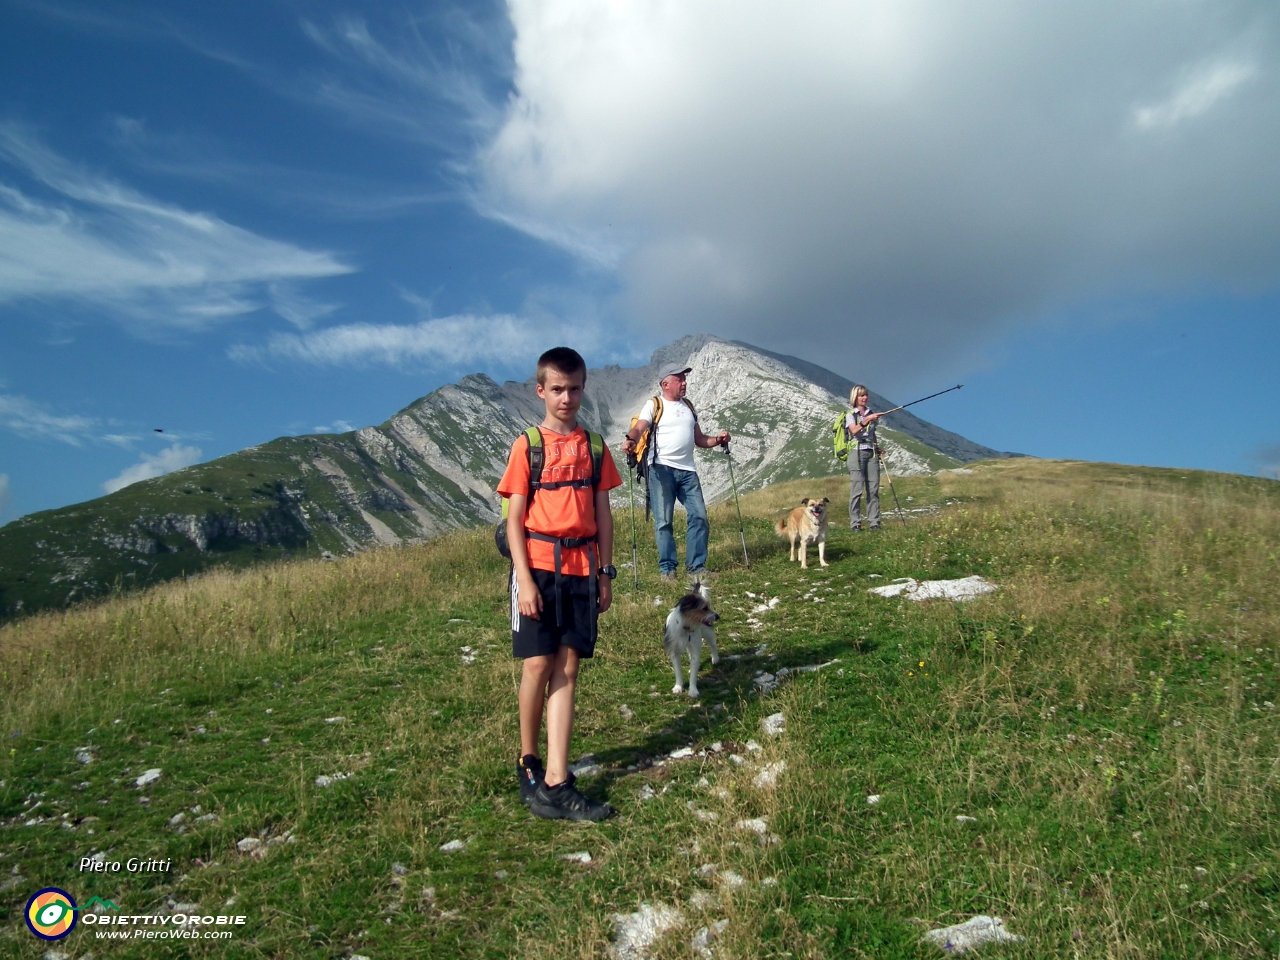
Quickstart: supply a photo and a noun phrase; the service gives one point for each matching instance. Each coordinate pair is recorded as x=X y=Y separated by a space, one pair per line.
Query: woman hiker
x=864 y=468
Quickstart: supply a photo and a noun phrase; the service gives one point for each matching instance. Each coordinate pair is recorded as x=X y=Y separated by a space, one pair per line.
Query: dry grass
x=1102 y=718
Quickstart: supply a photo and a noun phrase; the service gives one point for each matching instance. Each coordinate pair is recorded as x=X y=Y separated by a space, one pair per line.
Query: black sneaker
x=529 y=772
x=564 y=802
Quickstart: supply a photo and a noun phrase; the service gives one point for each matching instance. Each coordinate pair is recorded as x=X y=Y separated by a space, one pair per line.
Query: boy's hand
x=530 y=600
x=604 y=594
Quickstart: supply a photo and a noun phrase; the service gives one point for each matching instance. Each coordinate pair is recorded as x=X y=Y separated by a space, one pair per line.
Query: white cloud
x=27 y=418
x=155 y=465
x=408 y=80
x=455 y=341
x=1268 y=461
x=297 y=308
x=97 y=241
x=338 y=426
x=1198 y=95
x=902 y=178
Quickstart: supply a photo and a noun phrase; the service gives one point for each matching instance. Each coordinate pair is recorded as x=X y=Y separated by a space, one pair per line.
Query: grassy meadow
x=1104 y=723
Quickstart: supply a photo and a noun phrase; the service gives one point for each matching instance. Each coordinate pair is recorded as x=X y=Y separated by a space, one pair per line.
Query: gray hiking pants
x=864 y=471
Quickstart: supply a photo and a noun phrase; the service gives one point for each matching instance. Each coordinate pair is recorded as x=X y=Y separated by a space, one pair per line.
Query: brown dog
x=806 y=524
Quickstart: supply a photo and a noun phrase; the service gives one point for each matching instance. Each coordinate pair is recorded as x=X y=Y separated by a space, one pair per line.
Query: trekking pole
x=923 y=399
x=889 y=477
x=631 y=486
x=741 y=532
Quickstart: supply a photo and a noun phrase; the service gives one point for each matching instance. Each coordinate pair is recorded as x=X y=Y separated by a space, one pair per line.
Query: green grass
x=1103 y=718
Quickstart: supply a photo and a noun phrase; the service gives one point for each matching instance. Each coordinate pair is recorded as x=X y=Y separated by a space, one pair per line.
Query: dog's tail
x=781 y=528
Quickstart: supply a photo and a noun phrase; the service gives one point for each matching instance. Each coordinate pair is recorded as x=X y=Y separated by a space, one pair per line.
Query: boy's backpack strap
x=537 y=457
x=596 y=442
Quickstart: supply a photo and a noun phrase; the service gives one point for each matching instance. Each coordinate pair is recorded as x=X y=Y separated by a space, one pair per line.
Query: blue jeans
x=666 y=485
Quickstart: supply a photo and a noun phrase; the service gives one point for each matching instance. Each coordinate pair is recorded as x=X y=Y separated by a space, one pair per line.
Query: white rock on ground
x=453 y=846
x=758 y=825
x=625 y=712
x=810 y=668
x=681 y=753
x=335 y=719
x=963 y=819
x=248 y=844
x=580 y=856
x=328 y=780
x=974 y=932
x=84 y=755
x=774 y=724
x=586 y=767
x=873 y=798
x=148 y=777
x=965 y=589
x=635 y=933
x=767 y=778
x=701 y=942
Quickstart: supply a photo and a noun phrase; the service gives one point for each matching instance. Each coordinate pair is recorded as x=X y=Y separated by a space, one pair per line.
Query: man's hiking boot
x=564 y=802
x=668 y=578
x=530 y=773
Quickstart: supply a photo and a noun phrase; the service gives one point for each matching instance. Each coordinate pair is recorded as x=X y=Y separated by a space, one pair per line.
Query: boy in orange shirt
x=561 y=540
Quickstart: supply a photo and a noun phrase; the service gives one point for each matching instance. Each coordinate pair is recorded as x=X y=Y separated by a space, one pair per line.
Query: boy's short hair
x=565 y=359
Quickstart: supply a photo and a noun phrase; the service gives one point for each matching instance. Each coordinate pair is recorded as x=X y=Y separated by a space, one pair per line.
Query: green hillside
x=264 y=503
x=1104 y=723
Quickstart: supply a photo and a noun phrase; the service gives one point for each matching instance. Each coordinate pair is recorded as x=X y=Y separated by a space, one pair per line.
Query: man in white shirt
x=672 y=472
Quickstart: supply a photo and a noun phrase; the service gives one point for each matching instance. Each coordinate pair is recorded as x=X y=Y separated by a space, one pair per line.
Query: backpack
x=840 y=438
x=637 y=457
x=537 y=454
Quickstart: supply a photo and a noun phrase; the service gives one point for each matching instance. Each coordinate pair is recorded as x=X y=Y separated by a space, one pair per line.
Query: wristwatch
x=610 y=571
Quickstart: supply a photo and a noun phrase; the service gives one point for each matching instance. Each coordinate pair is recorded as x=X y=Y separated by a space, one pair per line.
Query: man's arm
x=604 y=540
x=700 y=439
x=629 y=442
x=529 y=598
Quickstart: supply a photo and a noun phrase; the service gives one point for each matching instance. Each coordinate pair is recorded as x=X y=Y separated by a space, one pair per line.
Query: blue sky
x=237 y=221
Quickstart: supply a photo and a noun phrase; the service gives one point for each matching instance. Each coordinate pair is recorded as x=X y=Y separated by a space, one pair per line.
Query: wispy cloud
x=100 y=241
x=296 y=307
x=1268 y=461
x=443 y=342
x=27 y=418
x=1196 y=96
x=155 y=465
x=406 y=80
x=338 y=426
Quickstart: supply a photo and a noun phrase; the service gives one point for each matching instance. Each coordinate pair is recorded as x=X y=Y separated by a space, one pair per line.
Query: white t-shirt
x=674 y=434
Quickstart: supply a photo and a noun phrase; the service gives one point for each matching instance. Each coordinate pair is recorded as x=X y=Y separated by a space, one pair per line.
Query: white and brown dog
x=806 y=524
x=689 y=624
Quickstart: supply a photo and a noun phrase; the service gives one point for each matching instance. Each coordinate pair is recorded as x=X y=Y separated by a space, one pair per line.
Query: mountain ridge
x=429 y=468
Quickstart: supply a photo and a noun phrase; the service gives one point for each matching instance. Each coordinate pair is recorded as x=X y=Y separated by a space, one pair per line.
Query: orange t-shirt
x=565 y=511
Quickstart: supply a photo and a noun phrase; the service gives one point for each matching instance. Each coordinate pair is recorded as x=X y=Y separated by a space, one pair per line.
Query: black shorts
x=577 y=627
